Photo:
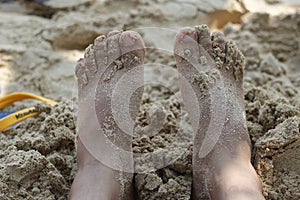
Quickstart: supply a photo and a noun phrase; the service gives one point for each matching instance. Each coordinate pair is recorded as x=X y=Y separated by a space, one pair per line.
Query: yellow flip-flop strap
x=22 y=114
x=18 y=96
x=17 y=117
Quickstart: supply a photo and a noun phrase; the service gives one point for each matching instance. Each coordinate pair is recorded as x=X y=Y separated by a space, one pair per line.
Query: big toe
x=186 y=48
x=132 y=49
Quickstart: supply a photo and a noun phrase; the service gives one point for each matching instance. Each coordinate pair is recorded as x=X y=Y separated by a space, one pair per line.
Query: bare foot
x=104 y=154
x=213 y=67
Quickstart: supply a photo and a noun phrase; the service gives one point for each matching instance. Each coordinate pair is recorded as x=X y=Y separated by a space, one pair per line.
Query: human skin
x=224 y=172
x=104 y=150
x=214 y=67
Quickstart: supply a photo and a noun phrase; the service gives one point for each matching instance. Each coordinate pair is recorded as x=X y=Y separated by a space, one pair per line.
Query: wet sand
x=39 y=55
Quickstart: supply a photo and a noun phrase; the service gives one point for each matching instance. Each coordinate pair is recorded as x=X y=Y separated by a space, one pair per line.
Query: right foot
x=211 y=79
x=104 y=154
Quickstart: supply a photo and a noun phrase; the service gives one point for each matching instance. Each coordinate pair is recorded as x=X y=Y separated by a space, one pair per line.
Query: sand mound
x=39 y=55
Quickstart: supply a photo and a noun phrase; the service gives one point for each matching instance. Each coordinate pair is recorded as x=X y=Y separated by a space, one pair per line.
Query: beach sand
x=38 y=54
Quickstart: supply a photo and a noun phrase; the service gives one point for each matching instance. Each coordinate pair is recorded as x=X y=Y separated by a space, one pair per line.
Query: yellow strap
x=18 y=96
x=22 y=114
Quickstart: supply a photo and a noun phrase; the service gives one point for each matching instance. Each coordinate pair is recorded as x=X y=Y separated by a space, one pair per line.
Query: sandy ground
x=39 y=47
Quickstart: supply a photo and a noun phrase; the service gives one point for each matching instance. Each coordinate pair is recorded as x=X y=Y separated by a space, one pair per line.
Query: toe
x=132 y=49
x=112 y=33
x=113 y=47
x=231 y=50
x=95 y=55
x=204 y=39
x=81 y=74
x=78 y=68
x=186 y=49
x=100 y=52
x=239 y=66
x=89 y=61
x=218 y=40
x=219 y=47
x=234 y=61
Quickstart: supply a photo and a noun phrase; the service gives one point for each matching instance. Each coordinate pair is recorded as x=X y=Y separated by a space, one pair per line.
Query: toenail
x=192 y=36
x=129 y=39
x=101 y=38
x=89 y=51
x=112 y=33
x=187 y=31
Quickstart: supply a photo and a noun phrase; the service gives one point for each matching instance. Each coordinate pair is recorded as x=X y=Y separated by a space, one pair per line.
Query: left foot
x=211 y=79
x=104 y=148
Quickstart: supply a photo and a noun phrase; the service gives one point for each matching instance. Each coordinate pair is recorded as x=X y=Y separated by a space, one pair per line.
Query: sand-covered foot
x=108 y=77
x=211 y=79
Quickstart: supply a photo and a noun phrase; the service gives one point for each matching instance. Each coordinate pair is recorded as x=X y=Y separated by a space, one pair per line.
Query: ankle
x=243 y=193
x=91 y=183
x=238 y=181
